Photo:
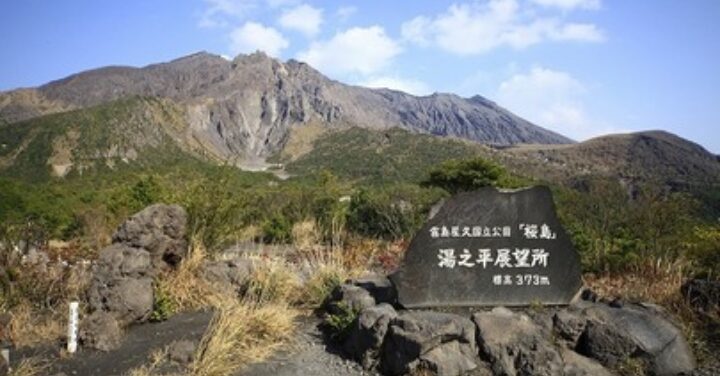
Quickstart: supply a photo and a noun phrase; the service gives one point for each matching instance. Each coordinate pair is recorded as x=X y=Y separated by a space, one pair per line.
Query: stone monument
x=490 y=247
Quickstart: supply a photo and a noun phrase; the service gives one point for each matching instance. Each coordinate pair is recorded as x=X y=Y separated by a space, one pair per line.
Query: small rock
x=182 y=351
x=100 y=331
x=379 y=286
x=589 y=295
x=350 y=296
x=230 y=274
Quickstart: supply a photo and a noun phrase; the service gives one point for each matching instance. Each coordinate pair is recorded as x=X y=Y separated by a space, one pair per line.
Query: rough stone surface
x=514 y=345
x=127 y=299
x=119 y=260
x=424 y=338
x=614 y=334
x=230 y=274
x=349 y=296
x=606 y=343
x=424 y=281
x=182 y=351
x=578 y=365
x=367 y=334
x=100 y=331
x=379 y=286
x=569 y=324
x=159 y=229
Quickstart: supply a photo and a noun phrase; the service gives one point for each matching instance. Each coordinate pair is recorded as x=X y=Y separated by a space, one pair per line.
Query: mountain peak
x=245 y=108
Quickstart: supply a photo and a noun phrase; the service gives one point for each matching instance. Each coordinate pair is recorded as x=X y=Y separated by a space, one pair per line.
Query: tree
x=467 y=175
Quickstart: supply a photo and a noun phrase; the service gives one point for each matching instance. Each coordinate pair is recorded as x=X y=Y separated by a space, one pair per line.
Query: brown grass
x=30 y=367
x=242 y=333
x=29 y=326
x=186 y=286
x=156 y=358
x=273 y=280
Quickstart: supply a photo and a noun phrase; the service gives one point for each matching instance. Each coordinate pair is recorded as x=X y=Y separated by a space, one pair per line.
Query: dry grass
x=157 y=357
x=30 y=367
x=242 y=333
x=186 y=286
x=306 y=236
x=655 y=283
x=29 y=327
x=273 y=280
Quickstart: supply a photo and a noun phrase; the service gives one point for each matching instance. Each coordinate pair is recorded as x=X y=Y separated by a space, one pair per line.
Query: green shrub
x=339 y=324
x=392 y=213
x=163 y=306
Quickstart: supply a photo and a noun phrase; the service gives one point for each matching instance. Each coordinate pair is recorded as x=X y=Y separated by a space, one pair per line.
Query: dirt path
x=138 y=344
x=308 y=355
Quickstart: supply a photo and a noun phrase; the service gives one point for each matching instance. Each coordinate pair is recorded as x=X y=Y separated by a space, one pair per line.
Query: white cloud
x=356 y=50
x=569 y=4
x=410 y=86
x=253 y=36
x=217 y=11
x=579 y=32
x=475 y=28
x=552 y=99
x=281 y=3
x=303 y=18
x=343 y=13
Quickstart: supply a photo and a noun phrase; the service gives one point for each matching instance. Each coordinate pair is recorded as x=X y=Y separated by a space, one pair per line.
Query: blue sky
x=580 y=67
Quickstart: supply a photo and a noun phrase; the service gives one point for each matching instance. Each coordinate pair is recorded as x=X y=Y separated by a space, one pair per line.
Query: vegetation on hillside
x=352 y=204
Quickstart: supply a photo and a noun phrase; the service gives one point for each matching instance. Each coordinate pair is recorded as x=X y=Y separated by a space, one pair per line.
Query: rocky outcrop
x=586 y=338
x=159 y=230
x=121 y=291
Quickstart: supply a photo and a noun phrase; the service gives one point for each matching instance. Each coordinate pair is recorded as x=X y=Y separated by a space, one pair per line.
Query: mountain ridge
x=244 y=108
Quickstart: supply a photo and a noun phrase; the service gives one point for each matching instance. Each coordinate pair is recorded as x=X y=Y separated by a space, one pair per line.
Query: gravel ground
x=308 y=355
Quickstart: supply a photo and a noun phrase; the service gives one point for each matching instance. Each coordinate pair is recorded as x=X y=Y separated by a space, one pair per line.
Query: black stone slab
x=542 y=269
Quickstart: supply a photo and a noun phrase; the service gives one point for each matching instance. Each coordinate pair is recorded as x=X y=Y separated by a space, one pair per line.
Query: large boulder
x=616 y=334
x=161 y=230
x=515 y=345
x=442 y=342
x=100 y=331
x=127 y=299
x=367 y=333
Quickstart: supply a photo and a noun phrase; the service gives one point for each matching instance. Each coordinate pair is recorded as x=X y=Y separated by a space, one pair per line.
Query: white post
x=72 y=328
